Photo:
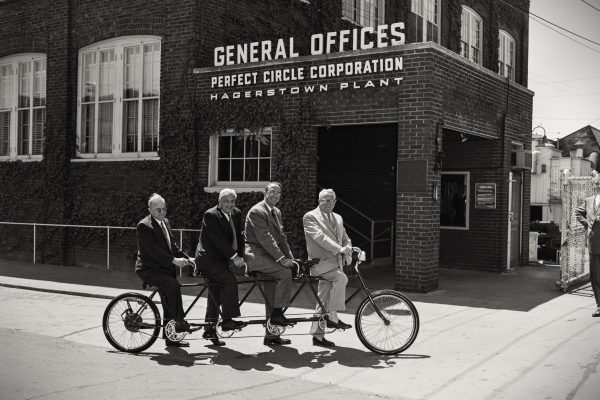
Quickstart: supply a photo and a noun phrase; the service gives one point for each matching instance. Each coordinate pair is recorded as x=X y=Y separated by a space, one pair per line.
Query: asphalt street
x=55 y=348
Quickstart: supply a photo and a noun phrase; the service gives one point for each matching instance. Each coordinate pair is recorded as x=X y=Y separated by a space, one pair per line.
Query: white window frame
x=506 y=55
x=429 y=13
x=214 y=185
x=118 y=45
x=364 y=12
x=471 y=39
x=467 y=182
x=11 y=103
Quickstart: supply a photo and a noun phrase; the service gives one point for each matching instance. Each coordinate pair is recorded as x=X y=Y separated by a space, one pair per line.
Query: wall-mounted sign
x=485 y=195
x=290 y=79
x=411 y=176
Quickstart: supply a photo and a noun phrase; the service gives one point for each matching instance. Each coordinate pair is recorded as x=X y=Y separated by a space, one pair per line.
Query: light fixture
x=463 y=137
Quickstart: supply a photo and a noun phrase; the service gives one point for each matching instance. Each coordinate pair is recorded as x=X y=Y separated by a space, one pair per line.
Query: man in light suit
x=157 y=257
x=588 y=214
x=268 y=253
x=221 y=244
x=327 y=240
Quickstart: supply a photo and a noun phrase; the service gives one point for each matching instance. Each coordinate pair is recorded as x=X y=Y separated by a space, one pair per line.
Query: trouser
x=278 y=287
x=595 y=276
x=169 y=290
x=332 y=293
x=223 y=292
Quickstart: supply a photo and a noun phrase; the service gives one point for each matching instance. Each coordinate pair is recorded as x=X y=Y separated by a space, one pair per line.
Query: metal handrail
x=107 y=227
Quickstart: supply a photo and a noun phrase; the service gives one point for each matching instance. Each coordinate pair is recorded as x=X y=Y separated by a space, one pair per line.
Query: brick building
x=416 y=126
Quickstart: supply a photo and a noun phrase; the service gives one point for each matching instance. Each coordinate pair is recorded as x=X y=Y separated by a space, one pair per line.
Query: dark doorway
x=358 y=163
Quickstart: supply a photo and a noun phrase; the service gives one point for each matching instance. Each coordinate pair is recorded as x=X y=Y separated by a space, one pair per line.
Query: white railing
x=107 y=228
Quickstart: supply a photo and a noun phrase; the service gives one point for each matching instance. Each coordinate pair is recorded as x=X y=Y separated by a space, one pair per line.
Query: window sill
x=110 y=158
x=257 y=187
x=22 y=159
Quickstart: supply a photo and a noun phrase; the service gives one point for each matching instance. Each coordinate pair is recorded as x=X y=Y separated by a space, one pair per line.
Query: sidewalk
x=519 y=290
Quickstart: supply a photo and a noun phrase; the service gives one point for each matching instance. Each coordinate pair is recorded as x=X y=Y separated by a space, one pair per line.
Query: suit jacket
x=215 y=245
x=265 y=240
x=586 y=214
x=323 y=242
x=153 y=249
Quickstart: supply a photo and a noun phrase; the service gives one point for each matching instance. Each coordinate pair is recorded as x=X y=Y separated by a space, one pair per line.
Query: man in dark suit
x=268 y=253
x=221 y=244
x=588 y=214
x=157 y=257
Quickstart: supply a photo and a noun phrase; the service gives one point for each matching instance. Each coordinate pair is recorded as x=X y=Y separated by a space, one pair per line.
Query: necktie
x=234 y=242
x=274 y=215
x=332 y=222
x=166 y=233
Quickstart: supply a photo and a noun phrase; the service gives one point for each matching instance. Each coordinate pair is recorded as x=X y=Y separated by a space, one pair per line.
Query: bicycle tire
x=131 y=329
x=394 y=337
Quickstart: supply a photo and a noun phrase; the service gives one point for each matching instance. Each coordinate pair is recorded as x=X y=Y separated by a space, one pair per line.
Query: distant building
x=577 y=153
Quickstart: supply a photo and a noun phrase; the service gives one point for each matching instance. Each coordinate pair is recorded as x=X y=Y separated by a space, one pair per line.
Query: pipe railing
x=104 y=227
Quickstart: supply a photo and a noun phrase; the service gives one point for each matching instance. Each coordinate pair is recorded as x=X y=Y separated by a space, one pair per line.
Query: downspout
x=510 y=176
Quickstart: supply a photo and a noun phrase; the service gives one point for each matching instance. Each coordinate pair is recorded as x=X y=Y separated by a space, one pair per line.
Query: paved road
x=55 y=348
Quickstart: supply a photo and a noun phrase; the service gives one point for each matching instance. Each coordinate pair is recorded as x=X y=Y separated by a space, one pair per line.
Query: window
x=22 y=106
x=364 y=12
x=506 y=55
x=241 y=159
x=470 y=35
x=426 y=20
x=454 y=210
x=119 y=95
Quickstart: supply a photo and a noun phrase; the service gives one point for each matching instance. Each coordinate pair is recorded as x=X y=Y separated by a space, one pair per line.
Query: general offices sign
x=297 y=79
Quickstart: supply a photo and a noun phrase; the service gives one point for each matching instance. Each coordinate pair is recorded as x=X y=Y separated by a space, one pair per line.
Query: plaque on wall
x=485 y=195
x=411 y=176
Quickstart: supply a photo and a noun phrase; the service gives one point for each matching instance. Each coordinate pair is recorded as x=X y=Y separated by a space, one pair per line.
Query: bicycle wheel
x=394 y=334
x=131 y=322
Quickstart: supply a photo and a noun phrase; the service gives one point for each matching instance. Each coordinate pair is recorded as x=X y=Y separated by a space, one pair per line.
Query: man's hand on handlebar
x=287 y=262
x=238 y=261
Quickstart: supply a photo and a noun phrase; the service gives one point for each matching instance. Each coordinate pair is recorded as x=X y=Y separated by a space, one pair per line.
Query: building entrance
x=358 y=163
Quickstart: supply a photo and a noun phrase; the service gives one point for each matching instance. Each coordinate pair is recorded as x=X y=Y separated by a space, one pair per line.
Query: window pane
x=4 y=133
x=251 y=146
x=37 y=132
x=151 y=70
x=130 y=126
x=237 y=146
x=237 y=170
x=265 y=145
x=223 y=173
x=23 y=133
x=88 y=84
x=6 y=85
x=105 y=127
x=224 y=146
x=150 y=125
x=131 y=64
x=25 y=84
x=39 y=83
x=87 y=128
x=106 y=75
x=251 y=170
x=265 y=170
x=453 y=200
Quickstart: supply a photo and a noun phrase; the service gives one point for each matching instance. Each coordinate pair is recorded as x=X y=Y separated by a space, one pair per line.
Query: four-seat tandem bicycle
x=386 y=321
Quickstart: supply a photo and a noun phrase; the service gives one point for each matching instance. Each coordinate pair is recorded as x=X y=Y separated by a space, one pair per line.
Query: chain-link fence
x=574 y=260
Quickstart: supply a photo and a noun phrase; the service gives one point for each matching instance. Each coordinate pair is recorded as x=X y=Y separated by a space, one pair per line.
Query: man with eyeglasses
x=268 y=253
x=326 y=239
x=157 y=257
x=221 y=244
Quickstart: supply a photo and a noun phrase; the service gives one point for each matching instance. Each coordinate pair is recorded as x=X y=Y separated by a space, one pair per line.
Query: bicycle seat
x=250 y=274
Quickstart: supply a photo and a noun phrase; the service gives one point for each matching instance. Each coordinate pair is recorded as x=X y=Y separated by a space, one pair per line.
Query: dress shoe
x=181 y=343
x=212 y=336
x=596 y=313
x=230 y=325
x=322 y=342
x=276 y=341
x=280 y=320
x=182 y=326
x=338 y=325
